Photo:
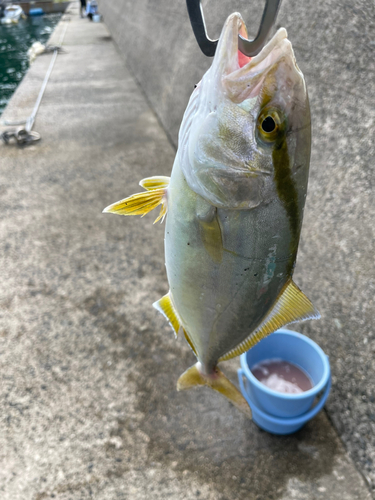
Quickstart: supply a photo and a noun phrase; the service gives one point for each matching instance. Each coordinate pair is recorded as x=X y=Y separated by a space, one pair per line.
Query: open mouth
x=242 y=77
x=276 y=48
x=242 y=58
x=230 y=59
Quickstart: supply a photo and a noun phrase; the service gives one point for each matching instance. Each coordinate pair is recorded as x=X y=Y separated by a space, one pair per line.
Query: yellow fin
x=155 y=182
x=216 y=381
x=292 y=305
x=141 y=204
x=212 y=239
x=188 y=340
x=166 y=308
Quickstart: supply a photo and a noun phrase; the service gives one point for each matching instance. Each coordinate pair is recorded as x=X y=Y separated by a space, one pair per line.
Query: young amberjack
x=234 y=206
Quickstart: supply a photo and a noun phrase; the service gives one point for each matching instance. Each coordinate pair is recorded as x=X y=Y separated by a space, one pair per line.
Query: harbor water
x=15 y=40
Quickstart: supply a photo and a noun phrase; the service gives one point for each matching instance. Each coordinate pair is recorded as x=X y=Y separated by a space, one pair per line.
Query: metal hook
x=248 y=47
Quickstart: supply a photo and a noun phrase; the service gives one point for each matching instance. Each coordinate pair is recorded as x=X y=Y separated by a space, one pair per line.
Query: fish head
x=247 y=124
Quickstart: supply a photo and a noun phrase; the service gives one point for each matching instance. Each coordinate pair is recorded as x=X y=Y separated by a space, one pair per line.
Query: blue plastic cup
x=278 y=412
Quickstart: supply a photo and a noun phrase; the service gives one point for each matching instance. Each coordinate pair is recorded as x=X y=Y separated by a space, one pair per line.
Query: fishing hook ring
x=248 y=47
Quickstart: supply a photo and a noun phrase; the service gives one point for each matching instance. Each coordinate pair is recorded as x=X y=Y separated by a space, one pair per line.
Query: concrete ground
x=88 y=369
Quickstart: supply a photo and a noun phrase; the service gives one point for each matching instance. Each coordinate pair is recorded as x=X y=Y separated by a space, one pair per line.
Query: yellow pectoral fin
x=141 y=204
x=166 y=308
x=291 y=306
x=216 y=381
x=155 y=182
x=212 y=239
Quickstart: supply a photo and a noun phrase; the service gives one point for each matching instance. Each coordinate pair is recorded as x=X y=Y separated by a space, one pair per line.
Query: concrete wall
x=334 y=44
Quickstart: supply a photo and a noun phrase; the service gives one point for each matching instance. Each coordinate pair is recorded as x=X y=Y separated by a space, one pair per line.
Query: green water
x=15 y=40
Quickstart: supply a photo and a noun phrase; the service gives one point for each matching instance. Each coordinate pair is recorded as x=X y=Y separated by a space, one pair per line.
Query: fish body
x=234 y=205
x=225 y=269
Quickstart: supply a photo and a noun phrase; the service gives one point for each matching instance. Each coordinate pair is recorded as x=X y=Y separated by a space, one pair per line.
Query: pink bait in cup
x=282 y=376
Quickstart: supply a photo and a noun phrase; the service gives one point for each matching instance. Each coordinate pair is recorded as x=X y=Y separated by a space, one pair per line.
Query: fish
x=234 y=206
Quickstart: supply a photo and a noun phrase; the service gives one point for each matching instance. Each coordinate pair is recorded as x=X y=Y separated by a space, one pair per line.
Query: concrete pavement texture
x=88 y=369
x=334 y=44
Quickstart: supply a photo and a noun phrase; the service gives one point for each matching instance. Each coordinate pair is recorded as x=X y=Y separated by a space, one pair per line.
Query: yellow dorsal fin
x=141 y=204
x=166 y=308
x=217 y=381
x=292 y=305
x=155 y=182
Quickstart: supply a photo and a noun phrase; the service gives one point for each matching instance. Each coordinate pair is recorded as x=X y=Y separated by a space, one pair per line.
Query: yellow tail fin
x=218 y=382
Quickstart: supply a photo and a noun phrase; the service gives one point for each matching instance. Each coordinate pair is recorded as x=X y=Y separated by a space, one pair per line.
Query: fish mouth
x=242 y=76
x=231 y=59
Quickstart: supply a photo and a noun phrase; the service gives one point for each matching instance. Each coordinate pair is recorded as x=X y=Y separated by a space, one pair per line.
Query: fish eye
x=268 y=124
x=271 y=124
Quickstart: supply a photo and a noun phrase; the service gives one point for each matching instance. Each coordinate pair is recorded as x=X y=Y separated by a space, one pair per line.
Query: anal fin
x=189 y=341
x=292 y=305
x=218 y=382
x=166 y=308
